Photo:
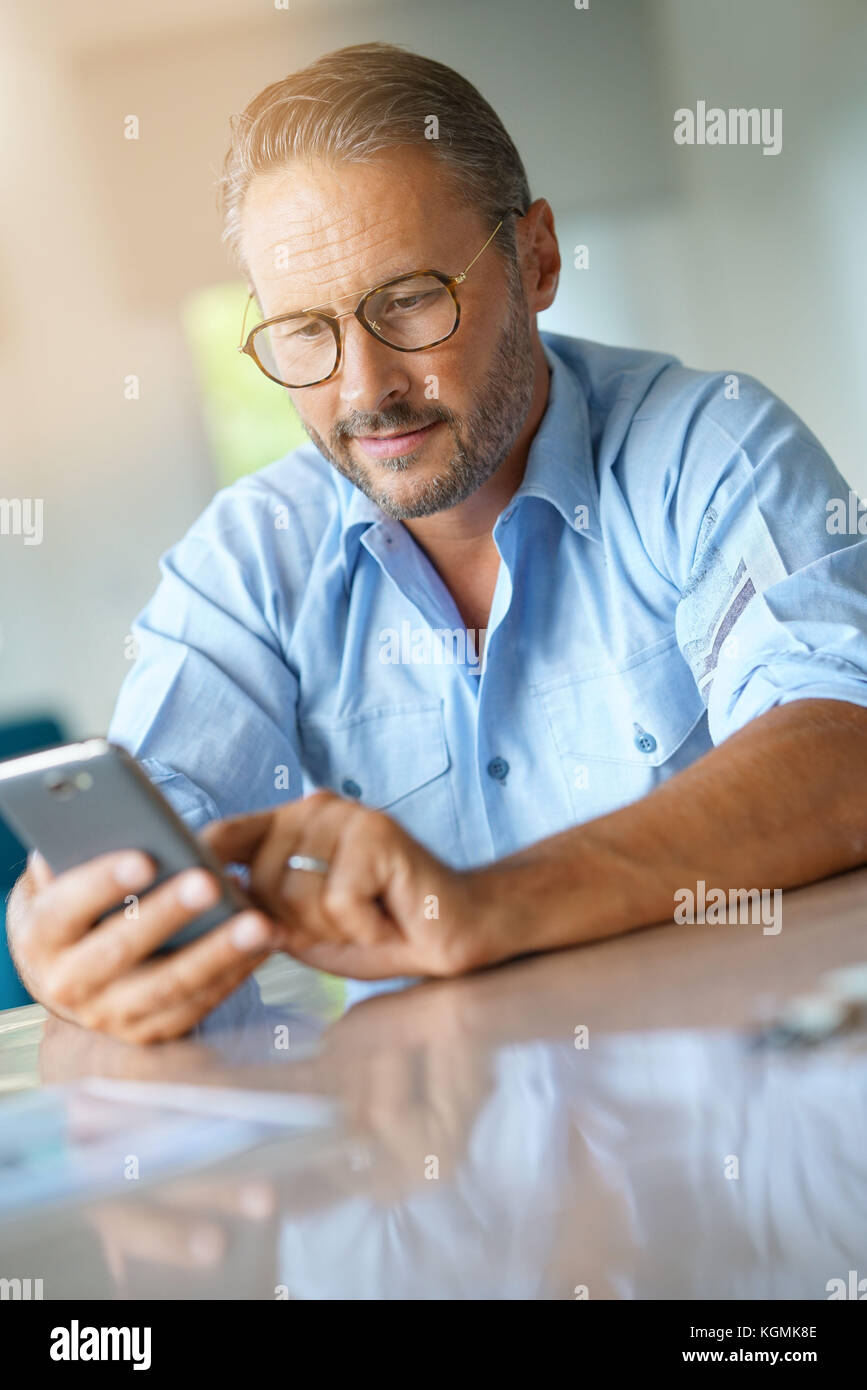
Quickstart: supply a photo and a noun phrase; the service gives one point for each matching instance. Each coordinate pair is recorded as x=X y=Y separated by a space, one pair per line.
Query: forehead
x=312 y=230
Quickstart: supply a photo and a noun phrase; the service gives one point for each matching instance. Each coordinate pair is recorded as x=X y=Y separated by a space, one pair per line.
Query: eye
x=303 y=333
x=406 y=303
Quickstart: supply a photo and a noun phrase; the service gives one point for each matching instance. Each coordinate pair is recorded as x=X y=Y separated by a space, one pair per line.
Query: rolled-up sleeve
x=209 y=705
x=772 y=565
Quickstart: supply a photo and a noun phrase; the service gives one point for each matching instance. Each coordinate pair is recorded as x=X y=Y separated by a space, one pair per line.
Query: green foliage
x=250 y=421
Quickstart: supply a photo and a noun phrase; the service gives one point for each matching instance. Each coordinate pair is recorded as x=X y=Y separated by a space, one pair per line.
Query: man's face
x=314 y=233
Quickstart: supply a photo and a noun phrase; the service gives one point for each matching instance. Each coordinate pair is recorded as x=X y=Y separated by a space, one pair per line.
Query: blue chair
x=26 y=736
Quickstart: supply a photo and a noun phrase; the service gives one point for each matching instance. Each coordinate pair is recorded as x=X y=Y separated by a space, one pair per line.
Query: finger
x=38 y=868
x=354 y=904
x=69 y=904
x=367 y=860
x=175 y=1022
x=252 y=1198
x=278 y=887
x=147 y=1232
x=351 y=958
x=195 y=977
x=206 y=969
x=236 y=839
x=292 y=831
x=112 y=948
x=114 y=1258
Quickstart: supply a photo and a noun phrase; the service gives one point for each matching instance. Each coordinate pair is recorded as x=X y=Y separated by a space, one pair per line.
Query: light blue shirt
x=671 y=568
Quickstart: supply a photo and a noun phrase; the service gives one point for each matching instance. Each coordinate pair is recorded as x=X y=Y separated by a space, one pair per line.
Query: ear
x=540 y=258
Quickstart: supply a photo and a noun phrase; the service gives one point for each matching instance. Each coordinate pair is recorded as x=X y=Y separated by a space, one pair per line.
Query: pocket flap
x=378 y=756
x=639 y=714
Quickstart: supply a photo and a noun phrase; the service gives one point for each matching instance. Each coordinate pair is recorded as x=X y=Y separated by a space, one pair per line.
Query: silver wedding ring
x=307 y=864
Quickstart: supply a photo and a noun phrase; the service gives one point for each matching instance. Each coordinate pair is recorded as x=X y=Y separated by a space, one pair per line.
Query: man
x=560 y=628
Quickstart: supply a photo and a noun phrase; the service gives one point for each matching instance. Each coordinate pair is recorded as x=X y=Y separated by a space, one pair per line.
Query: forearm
x=779 y=804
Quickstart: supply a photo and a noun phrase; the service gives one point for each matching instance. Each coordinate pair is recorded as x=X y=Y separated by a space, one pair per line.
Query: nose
x=371 y=374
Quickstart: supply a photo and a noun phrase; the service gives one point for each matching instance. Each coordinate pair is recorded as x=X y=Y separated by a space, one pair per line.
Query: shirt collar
x=560 y=459
x=559 y=467
x=359 y=514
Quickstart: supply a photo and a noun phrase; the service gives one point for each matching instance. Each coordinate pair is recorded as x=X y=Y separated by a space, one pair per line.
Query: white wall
x=758 y=262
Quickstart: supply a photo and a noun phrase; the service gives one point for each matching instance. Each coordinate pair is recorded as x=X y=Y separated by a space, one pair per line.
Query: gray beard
x=481 y=443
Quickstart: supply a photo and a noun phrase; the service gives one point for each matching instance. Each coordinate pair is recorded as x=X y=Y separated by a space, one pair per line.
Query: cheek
x=316 y=413
x=462 y=362
x=447 y=375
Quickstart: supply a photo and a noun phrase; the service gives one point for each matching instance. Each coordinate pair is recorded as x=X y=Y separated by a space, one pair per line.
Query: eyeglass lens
x=412 y=313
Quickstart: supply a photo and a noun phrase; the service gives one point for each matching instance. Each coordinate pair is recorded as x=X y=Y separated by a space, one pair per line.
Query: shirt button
x=498 y=769
x=644 y=742
x=350 y=788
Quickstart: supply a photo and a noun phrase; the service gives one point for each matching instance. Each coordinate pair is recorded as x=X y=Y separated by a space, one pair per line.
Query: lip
x=396 y=443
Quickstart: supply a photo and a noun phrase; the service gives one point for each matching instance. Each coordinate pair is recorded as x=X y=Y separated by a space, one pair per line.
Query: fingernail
x=133 y=870
x=251 y=933
x=197 y=889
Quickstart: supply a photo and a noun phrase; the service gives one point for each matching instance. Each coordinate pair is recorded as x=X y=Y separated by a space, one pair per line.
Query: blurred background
x=124 y=404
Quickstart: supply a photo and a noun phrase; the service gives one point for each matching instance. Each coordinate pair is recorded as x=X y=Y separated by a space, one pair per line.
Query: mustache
x=395 y=421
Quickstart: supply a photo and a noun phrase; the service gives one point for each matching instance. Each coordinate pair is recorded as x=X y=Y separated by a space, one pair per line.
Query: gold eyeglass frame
x=332 y=321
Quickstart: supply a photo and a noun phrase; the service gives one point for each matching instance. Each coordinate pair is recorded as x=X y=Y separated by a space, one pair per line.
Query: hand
x=187 y=1225
x=385 y=907
x=411 y=1081
x=99 y=975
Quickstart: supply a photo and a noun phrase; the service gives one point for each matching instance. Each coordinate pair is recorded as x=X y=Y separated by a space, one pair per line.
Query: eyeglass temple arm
x=459 y=279
x=250 y=296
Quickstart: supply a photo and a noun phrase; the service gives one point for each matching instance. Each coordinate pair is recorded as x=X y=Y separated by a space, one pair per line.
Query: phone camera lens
x=61 y=788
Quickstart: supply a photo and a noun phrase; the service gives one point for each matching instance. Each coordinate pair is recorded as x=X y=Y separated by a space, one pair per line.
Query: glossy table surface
x=597 y=1122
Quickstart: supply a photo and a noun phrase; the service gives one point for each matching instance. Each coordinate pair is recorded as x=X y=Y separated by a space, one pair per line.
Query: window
x=249 y=420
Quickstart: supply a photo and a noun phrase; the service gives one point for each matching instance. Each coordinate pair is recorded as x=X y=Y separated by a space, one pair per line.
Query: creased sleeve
x=773 y=603
x=209 y=706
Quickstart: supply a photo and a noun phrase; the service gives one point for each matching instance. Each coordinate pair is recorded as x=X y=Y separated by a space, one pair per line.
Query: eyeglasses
x=409 y=313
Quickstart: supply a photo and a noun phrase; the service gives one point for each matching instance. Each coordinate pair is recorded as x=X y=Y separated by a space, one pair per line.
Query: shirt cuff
x=191 y=803
x=814 y=677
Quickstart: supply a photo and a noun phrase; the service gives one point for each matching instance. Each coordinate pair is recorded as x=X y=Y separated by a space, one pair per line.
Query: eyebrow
x=328 y=304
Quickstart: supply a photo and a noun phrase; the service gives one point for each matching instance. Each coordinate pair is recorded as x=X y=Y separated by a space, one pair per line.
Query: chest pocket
x=620 y=733
x=394 y=759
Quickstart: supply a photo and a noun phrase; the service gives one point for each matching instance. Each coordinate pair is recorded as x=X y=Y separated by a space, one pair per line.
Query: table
x=593 y=1123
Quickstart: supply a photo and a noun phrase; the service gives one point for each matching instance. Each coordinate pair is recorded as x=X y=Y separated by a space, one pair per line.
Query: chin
x=402 y=504
x=403 y=485
x=405 y=504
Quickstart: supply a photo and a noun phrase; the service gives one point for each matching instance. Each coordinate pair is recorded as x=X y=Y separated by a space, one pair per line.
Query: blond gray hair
x=351 y=104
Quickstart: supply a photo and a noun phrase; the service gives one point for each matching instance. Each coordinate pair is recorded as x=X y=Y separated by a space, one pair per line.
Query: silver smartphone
x=78 y=800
